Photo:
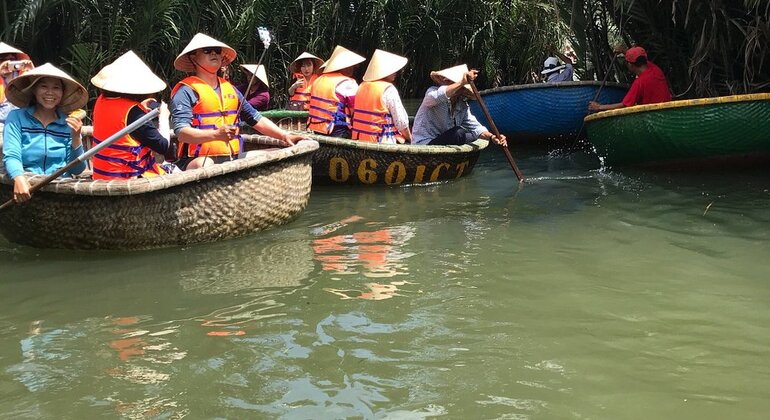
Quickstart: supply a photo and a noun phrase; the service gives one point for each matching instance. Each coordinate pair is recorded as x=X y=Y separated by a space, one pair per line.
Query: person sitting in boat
x=649 y=87
x=40 y=137
x=379 y=116
x=444 y=117
x=127 y=86
x=204 y=107
x=333 y=95
x=306 y=69
x=553 y=72
x=13 y=63
x=258 y=95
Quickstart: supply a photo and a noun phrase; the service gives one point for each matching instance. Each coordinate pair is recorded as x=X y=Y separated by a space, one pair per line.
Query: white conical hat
x=294 y=67
x=183 y=63
x=21 y=94
x=7 y=49
x=383 y=64
x=259 y=72
x=342 y=58
x=452 y=74
x=128 y=74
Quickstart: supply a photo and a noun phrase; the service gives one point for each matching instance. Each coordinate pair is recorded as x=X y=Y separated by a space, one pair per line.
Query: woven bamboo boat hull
x=701 y=132
x=288 y=120
x=223 y=201
x=543 y=112
x=351 y=162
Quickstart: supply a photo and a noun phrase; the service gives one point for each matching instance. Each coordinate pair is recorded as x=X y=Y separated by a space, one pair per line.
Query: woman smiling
x=39 y=137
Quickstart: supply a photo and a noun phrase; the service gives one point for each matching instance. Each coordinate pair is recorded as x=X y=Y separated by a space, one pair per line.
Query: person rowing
x=40 y=137
x=379 y=116
x=444 y=117
x=127 y=87
x=204 y=107
x=333 y=95
x=649 y=87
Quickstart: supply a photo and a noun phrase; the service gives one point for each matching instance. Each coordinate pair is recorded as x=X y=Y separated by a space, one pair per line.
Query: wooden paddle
x=598 y=92
x=496 y=132
x=87 y=155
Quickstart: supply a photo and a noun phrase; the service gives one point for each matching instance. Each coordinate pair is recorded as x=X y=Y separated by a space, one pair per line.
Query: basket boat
x=541 y=113
x=718 y=131
x=222 y=201
x=286 y=119
x=353 y=162
x=292 y=120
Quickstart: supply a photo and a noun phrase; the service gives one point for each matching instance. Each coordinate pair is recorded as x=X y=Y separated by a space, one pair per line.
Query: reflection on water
x=582 y=293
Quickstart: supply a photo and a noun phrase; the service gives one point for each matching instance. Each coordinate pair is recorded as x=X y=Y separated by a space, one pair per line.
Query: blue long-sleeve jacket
x=30 y=147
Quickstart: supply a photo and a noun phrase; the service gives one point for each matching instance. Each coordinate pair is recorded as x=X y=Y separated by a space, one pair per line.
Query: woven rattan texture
x=694 y=132
x=241 y=200
x=543 y=112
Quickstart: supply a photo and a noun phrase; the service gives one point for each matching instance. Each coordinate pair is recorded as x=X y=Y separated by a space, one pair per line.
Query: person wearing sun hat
x=444 y=117
x=379 y=116
x=333 y=94
x=649 y=87
x=40 y=137
x=204 y=107
x=554 y=72
x=127 y=87
x=13 y=63
x=306 y=69
x=258 y=95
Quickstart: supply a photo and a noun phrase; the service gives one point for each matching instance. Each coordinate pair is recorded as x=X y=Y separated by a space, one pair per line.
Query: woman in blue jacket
x=40 y=137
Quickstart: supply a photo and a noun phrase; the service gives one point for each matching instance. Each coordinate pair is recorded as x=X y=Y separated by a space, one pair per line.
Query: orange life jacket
x=303 y=94
x=372 y=122
x=211 y=112
x=126 y=157
x=2 y=89
x=326 y=111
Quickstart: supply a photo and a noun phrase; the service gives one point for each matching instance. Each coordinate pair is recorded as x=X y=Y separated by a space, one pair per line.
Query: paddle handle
x=87 y=155
x=598 y=92
x=496 y=132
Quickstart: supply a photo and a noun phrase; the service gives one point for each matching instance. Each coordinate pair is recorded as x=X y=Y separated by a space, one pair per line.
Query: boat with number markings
x=726 y=130
x=354 y=162
x=543 y=113
x=222 y=201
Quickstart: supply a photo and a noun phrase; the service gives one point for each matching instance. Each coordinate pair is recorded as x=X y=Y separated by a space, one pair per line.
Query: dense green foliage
x=707 y=47
x=505 y=39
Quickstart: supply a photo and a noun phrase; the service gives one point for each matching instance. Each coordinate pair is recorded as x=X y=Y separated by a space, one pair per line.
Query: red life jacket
x=126 y=157
x=326 y=111
x=303 y=94
x=372 y=121
x=211 y=112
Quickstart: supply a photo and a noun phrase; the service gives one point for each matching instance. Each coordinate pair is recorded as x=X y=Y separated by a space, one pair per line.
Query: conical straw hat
x=259 y=72
x=383 y=64
x=128 y=74
x=20 y=91
x=183 y=63
x=342 y=58
x=452 y=74
x=7 y=49
x=294 y=67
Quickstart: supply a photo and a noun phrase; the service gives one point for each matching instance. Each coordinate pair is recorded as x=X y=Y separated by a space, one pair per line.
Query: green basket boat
x=286 y=119
x=732 y=130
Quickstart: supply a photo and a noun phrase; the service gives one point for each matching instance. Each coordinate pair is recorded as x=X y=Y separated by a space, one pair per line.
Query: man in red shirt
x=650 y=86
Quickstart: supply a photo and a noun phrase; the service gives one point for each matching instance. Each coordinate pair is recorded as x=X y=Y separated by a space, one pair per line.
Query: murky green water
x=586 y=294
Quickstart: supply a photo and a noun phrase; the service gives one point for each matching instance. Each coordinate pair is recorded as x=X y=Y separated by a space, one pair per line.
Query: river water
x=586 y=293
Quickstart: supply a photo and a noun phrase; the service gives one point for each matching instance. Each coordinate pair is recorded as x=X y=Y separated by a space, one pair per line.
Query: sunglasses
x=215 y=50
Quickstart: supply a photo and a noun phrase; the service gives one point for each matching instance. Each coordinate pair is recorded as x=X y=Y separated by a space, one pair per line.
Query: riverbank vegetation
x=707 y=47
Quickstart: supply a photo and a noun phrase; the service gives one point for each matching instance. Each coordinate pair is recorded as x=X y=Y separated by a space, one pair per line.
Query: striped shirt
x=30 y=147
x=435 y=116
